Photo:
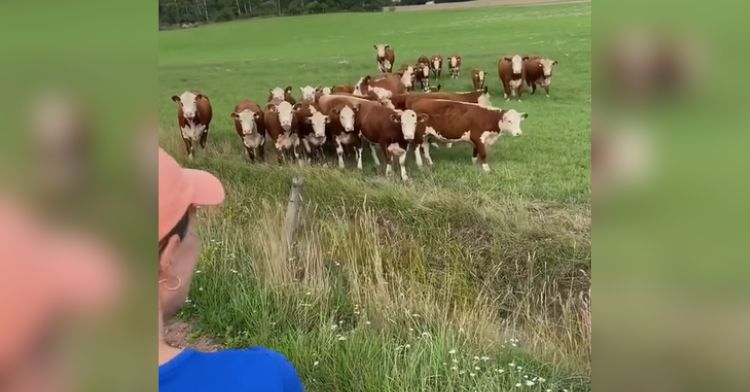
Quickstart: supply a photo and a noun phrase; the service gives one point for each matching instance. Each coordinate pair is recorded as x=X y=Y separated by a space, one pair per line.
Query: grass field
x=454 y=260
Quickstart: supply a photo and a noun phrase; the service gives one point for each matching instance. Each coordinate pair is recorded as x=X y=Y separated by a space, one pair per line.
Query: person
x=253 y=369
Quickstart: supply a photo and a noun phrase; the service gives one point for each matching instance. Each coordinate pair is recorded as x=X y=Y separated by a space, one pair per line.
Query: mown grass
x=454 y=260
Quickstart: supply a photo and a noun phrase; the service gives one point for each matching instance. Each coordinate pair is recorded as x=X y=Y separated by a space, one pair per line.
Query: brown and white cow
x=194 y=115
x=281 y=126
x=454 y=66
x=321 y=91
x=407 y=77
x=311 y=129
x=436 y=65
x=450 y=121
x=308 y=93
x=511 y=70
x=281 y=94
x=422 y=76
x=248 y=122
x=406 y=101
x=342 y=88
x=478 y=78
x=538 y=71
x=384 y=86
x=342 y=111
x=385 y=57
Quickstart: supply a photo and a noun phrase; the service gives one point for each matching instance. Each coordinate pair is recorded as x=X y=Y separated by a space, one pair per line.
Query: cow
x=510 y=70
x=384 y=86
x=454 y=66
x=450 y=121
x=391 y=130
x=308 y=93
x=248 y=122
x=311 y=130
x=538 y=71
x=342 y=88
x=436 y=65
x=407 y=77
x=478 y=78
x=281 y=94
x=321 y=91
x=281 y=125
x=385 y=57
x=194 y=115
x=342 y=111
x=406 y=101
x=422 y=76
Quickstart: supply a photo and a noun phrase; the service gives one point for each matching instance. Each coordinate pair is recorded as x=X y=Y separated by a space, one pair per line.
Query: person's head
x=180 y=191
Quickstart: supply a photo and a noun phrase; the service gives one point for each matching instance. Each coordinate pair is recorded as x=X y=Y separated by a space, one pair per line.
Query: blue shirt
x=253 y=369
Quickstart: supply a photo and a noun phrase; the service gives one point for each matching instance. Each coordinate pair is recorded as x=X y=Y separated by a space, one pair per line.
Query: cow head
x=481 y=75
x=547 y=66
x=516 y=63
x=408 y=120
x=407 y=78
x=436 y=60
x=318 y=121
x=484 y=99
x=188 y=102
x=511 y=122
x=276 y=93
x=286 y=114
x=247 y=119
x=308 y=93
x=362 y=86
x=380 y=49
x=454 y=60
x=347 y=116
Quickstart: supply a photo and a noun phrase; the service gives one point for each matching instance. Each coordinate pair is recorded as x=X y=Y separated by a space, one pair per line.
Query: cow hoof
x=520 y=100
x=547 y=95
x=190 y=157
x=474 y=160
x=486 y=167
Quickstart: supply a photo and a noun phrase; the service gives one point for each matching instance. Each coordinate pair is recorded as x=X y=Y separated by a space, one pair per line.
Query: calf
x=248 y=122
x=311 y=129
x=282 y=95
x=385 y=57
x=406 y=101
x=510 y=70
x=478 y=78
x=422 y=76
x=538 y=71
x=383 y=86
x=450 y=121
x=436 y=65
x=454 y=66
x=194 y=118
x=281 y=126
x=343 y=111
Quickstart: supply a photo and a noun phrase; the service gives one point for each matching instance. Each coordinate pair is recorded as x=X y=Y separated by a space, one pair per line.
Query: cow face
x=347 y=117
x=436 y=62
x=454 y=61
x=318 y=121
x=408 y=120
x=247 y=119
x=380 y=49
x=308 y=93
x=481 y=76
x=407 y=78
x=277 y=93
x=286 y=115
x=516 y=64
x=189 y=103
x=547 y=66
x=511 y=122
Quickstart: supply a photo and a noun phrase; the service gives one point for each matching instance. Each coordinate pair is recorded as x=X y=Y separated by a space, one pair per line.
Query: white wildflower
x=542 y=379
x=454 y=368
x=342 y=338
x=518 y=385
x=454 y=360
x=462 y=372
x=234 y=271
x=407 y=346
x=529 y=383
x=308 y=293
x=197 y=271
x=472 y=374
x=477 y=368
x=200 y=288
x=485 y=359
x=476 y=358
x=512 y=364
x=452 y=351
x=334 y=326
x=316 y=363
x=368 y=322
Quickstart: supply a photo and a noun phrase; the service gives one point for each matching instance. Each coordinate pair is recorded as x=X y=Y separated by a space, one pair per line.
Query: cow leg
x=358 y=153
x=546 y=90
x=188 y=147
x=280 y=155
x=308 y=151
x=506 y=90
x=250 y=153
x=262 y=152
x=340 y=153
x=295 y=151
x=481 y=152
x=533 y=88
x=426 y=149
x=418 y=155
x=375 y=155
x=474 y=156
x=388 y=159
x=204 y=138
x=519 y=92
x=402 y=162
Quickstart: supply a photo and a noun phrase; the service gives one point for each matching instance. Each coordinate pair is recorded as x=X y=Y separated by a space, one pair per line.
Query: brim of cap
x=207 y=189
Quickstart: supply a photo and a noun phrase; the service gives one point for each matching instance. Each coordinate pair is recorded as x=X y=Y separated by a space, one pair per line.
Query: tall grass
x=364 y=302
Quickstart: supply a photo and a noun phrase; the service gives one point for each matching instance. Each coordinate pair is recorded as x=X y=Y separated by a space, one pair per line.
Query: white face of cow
x=454 y=61
x=407 y=78
x=511 y=122
x=247 y=121
x=346 y=117
x=277 y=93
x=517 y=64
x=360 y=88
x=484 y=100
x=318 y=121
x=481 y=76
x=547 y=66
x=436 y=63
x=408 y=119
x=308 y=93
x=380 y=49
x=189 y=105
x=286 y=114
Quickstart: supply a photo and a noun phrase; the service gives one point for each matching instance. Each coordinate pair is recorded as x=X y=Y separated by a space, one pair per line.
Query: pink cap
x=180 y=188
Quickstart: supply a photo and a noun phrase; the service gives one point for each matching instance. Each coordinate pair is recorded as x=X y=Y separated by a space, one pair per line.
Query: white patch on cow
x=193 y=131
x=346 y=118
x=481 y=76
x=484 y=100
x=287 y=141
x=380 y=48
x=515 y=84
x=418 y=156
x=511 y=122
x=436 y=63
x=466 y=137
x=253 y=140
x=425 y=71
x=286 y=115
x=454 y=61
x=308 y=93
x=547 y=67
x=544 y=82
x=318 y=121
x=374 y=155
x=358 y=88
x=387 y=66
x=388 y=103
x=277 y=93
x=489 y=138
x=516 y=64
x=358 y=151
x=406 y=78
x=382 y=93
x=408 y=124
x=486 y=167
x=474 y=160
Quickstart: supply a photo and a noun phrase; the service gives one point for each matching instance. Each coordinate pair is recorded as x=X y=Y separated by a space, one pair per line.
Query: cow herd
x=381 y=111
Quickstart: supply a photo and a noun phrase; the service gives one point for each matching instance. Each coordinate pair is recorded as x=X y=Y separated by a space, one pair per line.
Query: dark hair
x=180 y=229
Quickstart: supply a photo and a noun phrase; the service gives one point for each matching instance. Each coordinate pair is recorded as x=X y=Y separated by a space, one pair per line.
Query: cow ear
x=296 y=107
x=423 y=117
x=486 y=89
x=554 y=62
x=308 y=120
x=288 y=89
x=176 y=98
x=274 y=109
x=387 y=45
x=234 y=116
x=524 y=115
x=524 y=58
x=356 y=108
x=395 y=118
x=302 y=90
x=257 y=115
x=328 y=120
x=198 y=97
x=375 y=47
x=506 y=58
